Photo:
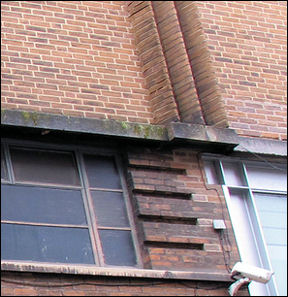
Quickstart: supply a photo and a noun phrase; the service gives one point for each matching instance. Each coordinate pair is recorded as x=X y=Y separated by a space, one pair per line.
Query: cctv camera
x=251 y=272
x=246 y=273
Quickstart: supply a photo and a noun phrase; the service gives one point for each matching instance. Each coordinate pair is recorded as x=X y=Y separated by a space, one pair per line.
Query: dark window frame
x=78 y=152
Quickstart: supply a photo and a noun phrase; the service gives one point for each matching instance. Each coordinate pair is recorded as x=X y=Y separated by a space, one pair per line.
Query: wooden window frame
x=78 y=152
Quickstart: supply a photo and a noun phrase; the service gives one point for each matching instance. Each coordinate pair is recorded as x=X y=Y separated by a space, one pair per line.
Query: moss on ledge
x=84 y=125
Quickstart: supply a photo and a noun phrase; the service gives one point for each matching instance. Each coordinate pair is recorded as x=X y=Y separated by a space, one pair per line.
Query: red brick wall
x=97 y=286
x=89 y=59
x=75 y=58
x=174 y=212
x=248 y=45
x=86 y=59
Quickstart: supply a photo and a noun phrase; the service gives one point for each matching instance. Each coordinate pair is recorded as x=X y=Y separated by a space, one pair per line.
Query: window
x=256 y=196
x=65 y=206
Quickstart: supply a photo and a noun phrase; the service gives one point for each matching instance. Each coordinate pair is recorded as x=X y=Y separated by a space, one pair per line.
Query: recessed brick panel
x=174 y=210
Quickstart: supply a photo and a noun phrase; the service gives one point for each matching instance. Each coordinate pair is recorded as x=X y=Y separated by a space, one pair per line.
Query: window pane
x=4 y=173
x=110 y=209
x=102 y=172
x=245 y=236
x=45 y=167
x=233 y=174
x=42 y=205
x=267 y=178
x=272 y=210
x=45 y=244
x=279 y=267
x=118 y=247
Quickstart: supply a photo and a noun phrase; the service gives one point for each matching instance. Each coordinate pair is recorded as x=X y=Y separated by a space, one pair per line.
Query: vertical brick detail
x=199 y=57
x=153 y=61
x=177 y=61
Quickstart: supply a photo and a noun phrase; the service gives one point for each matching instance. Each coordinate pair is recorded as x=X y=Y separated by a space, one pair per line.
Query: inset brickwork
x=248 y=46
x=175 y=210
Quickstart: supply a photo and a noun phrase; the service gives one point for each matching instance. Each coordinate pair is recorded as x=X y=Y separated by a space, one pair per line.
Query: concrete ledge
x=114 y=272
x=195 y=132
x=262 y=146
x=206 y=138
x=172 y=133
x=83 y=125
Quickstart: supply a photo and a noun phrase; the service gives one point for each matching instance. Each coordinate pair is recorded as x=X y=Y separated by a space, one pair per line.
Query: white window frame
x=253 y=251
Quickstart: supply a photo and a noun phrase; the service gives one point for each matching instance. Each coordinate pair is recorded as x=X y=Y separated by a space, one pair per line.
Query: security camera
x=245 y=273
x=252 y=272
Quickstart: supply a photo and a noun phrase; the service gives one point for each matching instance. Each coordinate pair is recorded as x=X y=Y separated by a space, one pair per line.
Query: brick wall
x=75 y=58
x=174 y=211
x=125 y=60
x=175 y=62
x=36 y=285
x=247 y=41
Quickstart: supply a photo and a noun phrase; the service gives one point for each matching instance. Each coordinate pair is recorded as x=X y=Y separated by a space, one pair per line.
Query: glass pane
x=110 y=209
x=4 y=173
x=42 y=205
x=272 y=211
x=45 y=244
x=118 y=247
x=267 y=178
x=245 y=237
x=279 y=267
x=233 y=174
x=102 y=172
x=31 y=165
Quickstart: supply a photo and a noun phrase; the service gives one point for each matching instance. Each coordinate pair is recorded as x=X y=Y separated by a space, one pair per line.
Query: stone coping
x=210 y=138
x=92 y=270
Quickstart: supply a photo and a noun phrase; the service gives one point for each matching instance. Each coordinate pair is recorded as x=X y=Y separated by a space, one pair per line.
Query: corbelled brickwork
x=248 y=46
x=178 y=65
x=170 y=40
x=199 y=57
x=153 y=62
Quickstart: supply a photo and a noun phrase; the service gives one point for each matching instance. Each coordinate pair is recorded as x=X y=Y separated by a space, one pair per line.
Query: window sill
x=204 y=275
